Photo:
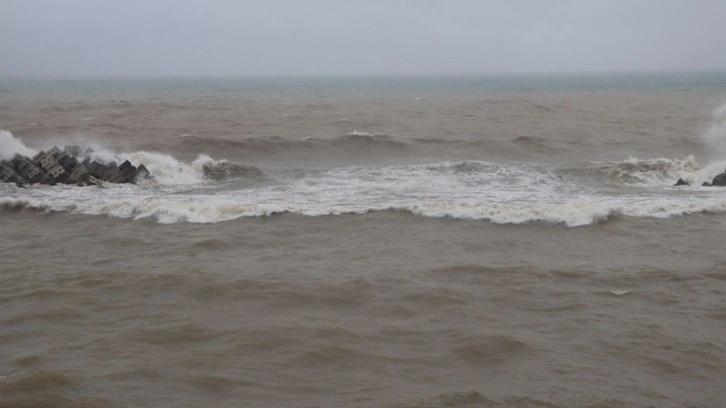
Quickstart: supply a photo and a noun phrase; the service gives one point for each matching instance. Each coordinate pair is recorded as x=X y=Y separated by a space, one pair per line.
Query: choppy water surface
x=479 y=248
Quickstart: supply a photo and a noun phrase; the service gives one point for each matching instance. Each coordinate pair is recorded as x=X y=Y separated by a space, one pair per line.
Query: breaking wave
x=648 y=173
x=206 y=190
x=651 y=172
x=478 y=191
x=209 y=210
x=10 y=146
x=170 y=171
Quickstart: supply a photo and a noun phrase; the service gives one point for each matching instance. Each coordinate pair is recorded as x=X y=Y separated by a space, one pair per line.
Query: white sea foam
x=497 y=193
x=212 y=209
x=573 y=214
x=512 y=193
x=357 y=133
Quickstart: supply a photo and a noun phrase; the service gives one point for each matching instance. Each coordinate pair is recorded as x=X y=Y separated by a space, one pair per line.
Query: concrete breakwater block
x=58 y=166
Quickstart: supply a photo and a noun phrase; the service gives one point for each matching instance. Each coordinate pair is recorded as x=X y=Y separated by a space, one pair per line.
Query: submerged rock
x=719 y=180
x=681 y=182
x=62 y=166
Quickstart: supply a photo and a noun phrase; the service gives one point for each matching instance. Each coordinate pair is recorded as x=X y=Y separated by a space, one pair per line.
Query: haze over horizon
x=85 y=39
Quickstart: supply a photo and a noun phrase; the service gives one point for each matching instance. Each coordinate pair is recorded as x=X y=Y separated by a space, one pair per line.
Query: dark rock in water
x=63 y=166
x=142 y=172
x=80 y=175
x=719 y=180
x=113 y=175
x=29 y=171
x=132 y=173
x=47 y=162
x=67 y=161
x=126 y=165
x=96 y=169
x=706 y=184
x=9 y=175
x=128 y=171
x=681 y=182
x=74 y=150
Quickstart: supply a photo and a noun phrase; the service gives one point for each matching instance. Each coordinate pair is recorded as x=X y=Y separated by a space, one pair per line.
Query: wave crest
x=212 y=209
x=168 y=170
x=652 y=172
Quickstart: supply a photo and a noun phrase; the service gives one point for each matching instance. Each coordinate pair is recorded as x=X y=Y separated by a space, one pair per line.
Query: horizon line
x=499 y=74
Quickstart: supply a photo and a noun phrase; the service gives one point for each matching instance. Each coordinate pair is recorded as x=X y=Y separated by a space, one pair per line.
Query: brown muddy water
x=478 y=249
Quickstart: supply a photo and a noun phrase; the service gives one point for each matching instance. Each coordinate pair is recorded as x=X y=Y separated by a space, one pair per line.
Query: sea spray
x=10 y=146
x=715 y=136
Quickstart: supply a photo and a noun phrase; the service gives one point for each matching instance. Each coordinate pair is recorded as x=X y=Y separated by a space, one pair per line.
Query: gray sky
x=122 y=38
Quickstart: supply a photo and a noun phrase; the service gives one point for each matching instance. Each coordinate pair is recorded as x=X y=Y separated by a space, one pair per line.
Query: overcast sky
x=132 y=38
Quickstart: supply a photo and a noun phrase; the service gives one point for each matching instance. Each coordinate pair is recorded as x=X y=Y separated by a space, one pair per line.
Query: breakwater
x=70 y=165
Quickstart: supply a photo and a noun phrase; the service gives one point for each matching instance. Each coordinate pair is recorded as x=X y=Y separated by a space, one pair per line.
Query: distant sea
x=359 y=86
x=449 y=241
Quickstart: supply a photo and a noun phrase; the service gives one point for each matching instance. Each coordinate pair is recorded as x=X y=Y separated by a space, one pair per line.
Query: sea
x=382 y=241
